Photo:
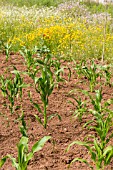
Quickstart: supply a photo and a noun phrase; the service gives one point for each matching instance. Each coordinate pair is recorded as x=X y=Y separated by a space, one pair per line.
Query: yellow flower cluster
x=63 y=36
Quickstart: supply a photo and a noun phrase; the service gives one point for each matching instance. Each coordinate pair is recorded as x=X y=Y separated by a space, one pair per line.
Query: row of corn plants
x=98 y=144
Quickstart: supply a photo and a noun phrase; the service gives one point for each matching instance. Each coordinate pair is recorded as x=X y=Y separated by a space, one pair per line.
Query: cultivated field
x=56 y=85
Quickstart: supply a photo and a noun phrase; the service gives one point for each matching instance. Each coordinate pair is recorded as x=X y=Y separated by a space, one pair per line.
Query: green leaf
x=23 y=141
x=3 y=160
x=108 y=153
x=108 y=149
x=22 y=149
x=54 y=115
x=13 y=161
x=40 y=62
x=97 y=147
x=29 y=156
x=36 y=80
x=80 y=160
x=39 y=120
x=50 y=90
x=24 y=85
x=87 y=123
x=39 y=145
x=15 y=71
x=78 y=143
x=36 y=105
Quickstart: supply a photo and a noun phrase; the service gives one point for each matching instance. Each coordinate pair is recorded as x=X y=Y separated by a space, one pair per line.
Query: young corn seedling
x=12 y=87
x=97 y=101
x=3 y=85
x=54 y=64
x=99 y=149
x=91 y=74
x=107 y=73
x=58 y=70
x=7 y=48
x=80 y=108
x=30 y=61
x=44 y=84
x=44 y=57
x=78 y=67
x=23 y=127
x=23 y=155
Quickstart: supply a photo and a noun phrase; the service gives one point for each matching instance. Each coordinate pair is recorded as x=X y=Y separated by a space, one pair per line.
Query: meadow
x=56 y=85
x=68 y=30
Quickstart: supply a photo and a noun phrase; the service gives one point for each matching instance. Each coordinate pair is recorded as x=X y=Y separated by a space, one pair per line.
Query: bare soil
x=53 y=156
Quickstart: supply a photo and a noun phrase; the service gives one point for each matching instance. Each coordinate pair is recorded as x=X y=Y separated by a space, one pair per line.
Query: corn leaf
x=39 y=145
x=3 y=160
x=54 y=115
x=80 y=160
x=39 y=120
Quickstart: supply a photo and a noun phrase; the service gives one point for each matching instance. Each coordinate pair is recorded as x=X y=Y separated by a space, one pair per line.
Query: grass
x=94 y=7
x=30 y=3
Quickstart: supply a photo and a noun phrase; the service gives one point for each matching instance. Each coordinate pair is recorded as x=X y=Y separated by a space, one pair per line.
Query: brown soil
x=53 y=156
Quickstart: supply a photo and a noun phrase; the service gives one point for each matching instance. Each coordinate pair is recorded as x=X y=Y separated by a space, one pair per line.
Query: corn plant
x=80 y=108
x=58 y=70
x=12 y=87
x=44 y=83
x=30 y=61
x=35 y=58
x=90 y=72
x=7 y=48
x=3 y=85
x=101 y=152
x=107 y=74
x=97 y=100
x=78 y=67
x=53 y=63
x=44 y=86
x=23 y=127
x=23 y=155
x=44 y=80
